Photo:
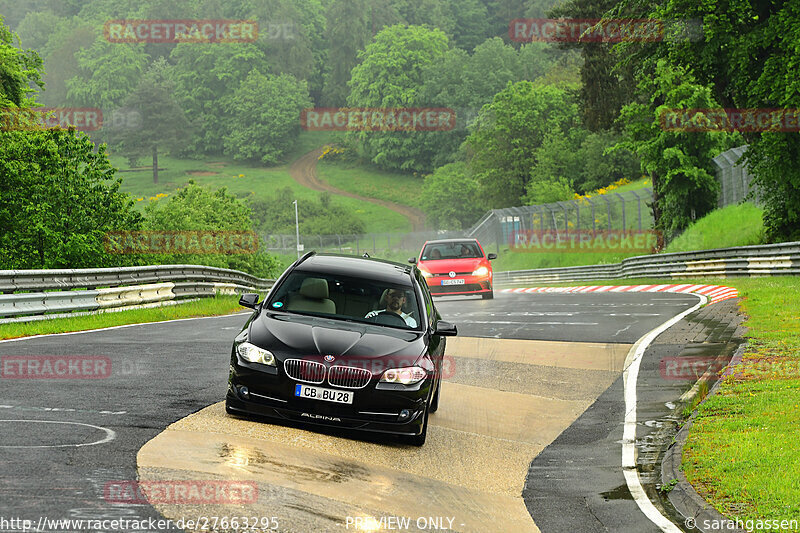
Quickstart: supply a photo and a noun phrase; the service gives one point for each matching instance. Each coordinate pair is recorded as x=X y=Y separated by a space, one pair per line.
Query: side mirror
x=248 y=300
x=446 y=329
x=412 y=260
x=491 y=256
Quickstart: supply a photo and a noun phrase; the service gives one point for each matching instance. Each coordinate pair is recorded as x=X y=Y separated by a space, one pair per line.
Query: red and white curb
x=715 y=293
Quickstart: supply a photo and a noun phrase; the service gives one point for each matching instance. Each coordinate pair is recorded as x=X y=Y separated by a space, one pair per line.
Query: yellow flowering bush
x=331 y=152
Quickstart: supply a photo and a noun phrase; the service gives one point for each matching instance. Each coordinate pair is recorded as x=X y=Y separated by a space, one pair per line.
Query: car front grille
x=302 y=370
x=447 y=274
x=348 y=377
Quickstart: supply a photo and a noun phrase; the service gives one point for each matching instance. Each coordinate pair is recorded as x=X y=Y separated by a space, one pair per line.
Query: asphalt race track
x=527 y=436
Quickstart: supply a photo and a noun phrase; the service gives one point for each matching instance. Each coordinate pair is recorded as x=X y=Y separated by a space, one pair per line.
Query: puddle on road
x=252 y=460
x=619 y=493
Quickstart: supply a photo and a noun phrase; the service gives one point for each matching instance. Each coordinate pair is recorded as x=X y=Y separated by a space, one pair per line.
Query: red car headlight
x=481 y=271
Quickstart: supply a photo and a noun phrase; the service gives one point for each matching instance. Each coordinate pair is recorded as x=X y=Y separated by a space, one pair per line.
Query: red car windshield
x=451 y=250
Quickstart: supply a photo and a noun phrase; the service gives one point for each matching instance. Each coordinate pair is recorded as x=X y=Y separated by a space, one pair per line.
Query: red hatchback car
x=456 y=266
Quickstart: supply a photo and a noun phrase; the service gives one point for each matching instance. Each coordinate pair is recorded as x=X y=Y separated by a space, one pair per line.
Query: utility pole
x=297 y=228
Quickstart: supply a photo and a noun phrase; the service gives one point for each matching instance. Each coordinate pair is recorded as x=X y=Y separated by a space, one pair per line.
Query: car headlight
x=425 y=273
x=481 y=271
x=254 y=354
x=407 y=376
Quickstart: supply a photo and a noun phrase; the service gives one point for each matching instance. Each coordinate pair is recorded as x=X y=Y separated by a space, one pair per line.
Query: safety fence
x=735 y=181
x=765 y=260
x=40 y=294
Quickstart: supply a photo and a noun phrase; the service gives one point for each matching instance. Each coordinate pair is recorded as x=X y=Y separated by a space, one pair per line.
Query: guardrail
x=41 y=294
x=764 y=260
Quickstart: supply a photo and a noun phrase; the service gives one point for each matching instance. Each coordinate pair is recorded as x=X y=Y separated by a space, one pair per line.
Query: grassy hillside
x=243 y=180
x=366 y=180
x=735 y=225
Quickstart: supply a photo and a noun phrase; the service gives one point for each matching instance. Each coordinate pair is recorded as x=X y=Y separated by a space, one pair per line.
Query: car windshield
x=347 y=298
x=451 y=250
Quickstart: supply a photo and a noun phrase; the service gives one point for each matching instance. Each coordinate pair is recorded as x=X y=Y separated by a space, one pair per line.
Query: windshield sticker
x=277 y=304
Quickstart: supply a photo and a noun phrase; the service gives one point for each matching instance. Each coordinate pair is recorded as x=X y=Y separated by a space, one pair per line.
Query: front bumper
x=471 y=285
x=375 y=407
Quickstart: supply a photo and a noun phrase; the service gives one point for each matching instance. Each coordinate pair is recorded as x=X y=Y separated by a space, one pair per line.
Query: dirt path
x=304 y=172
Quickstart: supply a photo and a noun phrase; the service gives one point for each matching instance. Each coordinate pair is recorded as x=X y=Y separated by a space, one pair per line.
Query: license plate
x=452 y=282
x=327 y=395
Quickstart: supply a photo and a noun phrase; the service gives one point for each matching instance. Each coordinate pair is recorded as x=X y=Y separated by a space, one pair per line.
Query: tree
x=58 y=199
x=60 y=59
x=470 y=23
x=464 y=83
x=161 y=122
x=109 y=73
x=291 y=37
x=448 y=197
x=390 y=75
x=347 y=32
x=548 y=191
x=275 y=215
x=748 y=53
x=18 y=69
x=37 y=27
x=194 y=208
x=502 y=146
x=204 y=75
x=264 y=113
x=605 y=85
x=678 y=162
x=582 y=157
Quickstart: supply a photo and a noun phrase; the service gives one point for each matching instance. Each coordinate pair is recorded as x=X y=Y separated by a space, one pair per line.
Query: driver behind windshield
x=395 y=300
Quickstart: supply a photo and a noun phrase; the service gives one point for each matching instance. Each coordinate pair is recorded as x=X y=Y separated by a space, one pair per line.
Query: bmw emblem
x=329 y=358
x=452 y=274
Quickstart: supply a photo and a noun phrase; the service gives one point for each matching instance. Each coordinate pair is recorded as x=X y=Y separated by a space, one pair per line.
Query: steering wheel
x=389 y=318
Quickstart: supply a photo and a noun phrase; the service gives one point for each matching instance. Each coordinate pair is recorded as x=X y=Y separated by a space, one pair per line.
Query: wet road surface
x=527 y=367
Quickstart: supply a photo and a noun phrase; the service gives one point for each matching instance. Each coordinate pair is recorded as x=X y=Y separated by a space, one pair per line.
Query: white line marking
x=61 y=409
x=529 y=323
x=630 y=376
x=110 y=434
x=17 y=339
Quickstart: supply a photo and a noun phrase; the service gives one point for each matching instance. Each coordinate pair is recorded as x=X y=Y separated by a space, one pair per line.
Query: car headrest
x=316 y=288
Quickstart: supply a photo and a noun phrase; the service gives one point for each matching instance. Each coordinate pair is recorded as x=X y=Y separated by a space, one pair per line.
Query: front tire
x=488 y=295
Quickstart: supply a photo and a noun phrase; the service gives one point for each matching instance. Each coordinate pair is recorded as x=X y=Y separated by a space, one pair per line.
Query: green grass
x=511 y=260
x=735 y=225
x=220 y=305
x=244 y=181
x=371 y=182
x=748 y=432
x=743 y=450
x=307 y=141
